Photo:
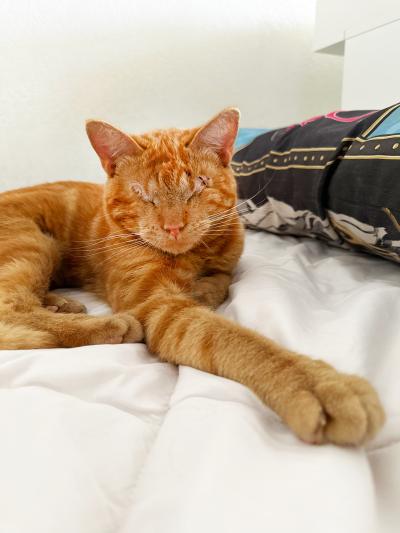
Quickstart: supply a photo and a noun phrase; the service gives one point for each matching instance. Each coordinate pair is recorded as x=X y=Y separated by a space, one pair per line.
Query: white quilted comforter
x=106 y=439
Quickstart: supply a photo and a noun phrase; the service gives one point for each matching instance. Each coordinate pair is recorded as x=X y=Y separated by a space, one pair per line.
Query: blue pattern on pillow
x=389 y=126
x=246 y=135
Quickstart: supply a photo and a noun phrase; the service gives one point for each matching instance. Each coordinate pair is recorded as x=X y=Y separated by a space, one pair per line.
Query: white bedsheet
x=106 y=439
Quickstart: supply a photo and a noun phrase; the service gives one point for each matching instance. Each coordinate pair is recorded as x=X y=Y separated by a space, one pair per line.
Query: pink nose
x=173 y=230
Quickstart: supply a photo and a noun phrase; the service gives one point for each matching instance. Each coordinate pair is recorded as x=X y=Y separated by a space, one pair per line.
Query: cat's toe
x=306 y=417
x=370 y=402
x=60 y=304
x=72 y=306
x=342 y=410
x=346 y=417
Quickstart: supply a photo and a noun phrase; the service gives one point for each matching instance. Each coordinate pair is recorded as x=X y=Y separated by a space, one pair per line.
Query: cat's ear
x=219 y=134
x=110 y=144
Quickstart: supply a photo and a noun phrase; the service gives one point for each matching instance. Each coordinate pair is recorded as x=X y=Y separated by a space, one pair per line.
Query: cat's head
x=168 y=186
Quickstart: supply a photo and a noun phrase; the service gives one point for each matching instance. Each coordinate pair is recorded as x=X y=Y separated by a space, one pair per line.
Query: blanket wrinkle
x=144 y=416
x=145 y=460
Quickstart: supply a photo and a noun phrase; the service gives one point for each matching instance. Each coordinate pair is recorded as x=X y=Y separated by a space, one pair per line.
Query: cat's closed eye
x=201 y=183
x=139 y=190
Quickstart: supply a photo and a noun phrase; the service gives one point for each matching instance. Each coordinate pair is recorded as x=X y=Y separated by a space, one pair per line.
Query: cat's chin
x=173 y=247
x=176 y=248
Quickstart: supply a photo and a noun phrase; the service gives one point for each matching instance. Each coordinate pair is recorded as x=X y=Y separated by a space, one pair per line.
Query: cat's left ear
x=219 y=134
x=110 y=144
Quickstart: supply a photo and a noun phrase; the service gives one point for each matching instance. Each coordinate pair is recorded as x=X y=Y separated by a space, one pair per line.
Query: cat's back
x=52 y=205
x=59 y=192
x=54 y=188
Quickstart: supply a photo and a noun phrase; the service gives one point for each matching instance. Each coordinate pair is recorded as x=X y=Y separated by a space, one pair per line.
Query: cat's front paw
x=123 y=328
x=115 y=329
x=338 y=408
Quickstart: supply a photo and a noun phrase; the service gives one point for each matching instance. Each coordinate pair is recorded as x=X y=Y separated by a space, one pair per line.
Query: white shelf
x=367 y=34
x=339 y=20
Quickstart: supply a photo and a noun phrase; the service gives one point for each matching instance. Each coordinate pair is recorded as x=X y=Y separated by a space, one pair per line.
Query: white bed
x=106 y=439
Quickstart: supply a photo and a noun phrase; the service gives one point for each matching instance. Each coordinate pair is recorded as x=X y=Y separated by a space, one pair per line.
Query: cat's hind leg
x=20 y=337
x=69 y=330
x=28 y=258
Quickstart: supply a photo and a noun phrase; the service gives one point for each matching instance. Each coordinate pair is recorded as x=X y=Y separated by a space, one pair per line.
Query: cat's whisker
x=236 y=207
x=96 y=254
x=106 y=241
x=210 y=223
x=216 y=234
x=202 y=241
x=111 y=247
x=85 y=251
x=225 y=226
x=95 y=243
x=233 y=214
x=95 y=249
x=108 y=237
x=103 y=238
x=223 y=215
x=118 y=253
x=223 y=220
x=114 y=256
x=227 y=211
x=227 y=218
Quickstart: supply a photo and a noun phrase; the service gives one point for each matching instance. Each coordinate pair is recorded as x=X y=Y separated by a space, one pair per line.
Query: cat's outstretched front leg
x=317 y=402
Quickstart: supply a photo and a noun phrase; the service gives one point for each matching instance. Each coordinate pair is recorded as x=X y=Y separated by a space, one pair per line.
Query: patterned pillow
x=335 y=177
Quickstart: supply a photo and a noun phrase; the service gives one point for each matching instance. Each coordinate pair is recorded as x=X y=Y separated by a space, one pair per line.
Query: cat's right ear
x=110 y=144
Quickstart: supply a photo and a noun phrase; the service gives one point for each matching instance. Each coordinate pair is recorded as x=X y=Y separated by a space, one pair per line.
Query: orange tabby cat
x=159 y=242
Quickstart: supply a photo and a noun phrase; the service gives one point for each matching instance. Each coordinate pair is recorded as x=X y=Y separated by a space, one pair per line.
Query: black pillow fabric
x=335 y=177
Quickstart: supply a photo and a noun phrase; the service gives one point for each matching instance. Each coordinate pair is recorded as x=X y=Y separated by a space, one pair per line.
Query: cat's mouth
x=179 y=245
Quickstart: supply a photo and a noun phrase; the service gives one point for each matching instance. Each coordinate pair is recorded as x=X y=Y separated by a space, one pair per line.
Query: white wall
x=145 y=64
